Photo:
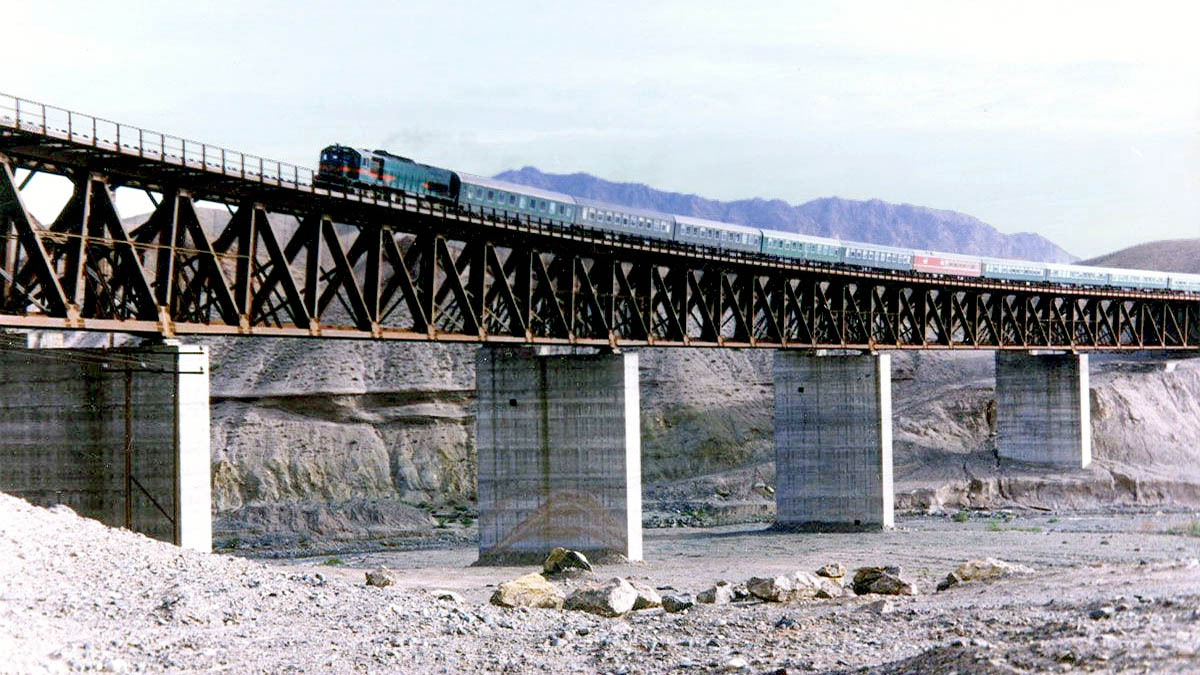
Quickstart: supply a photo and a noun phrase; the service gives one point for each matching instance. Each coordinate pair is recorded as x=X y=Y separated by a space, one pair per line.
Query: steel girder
x=294 y=260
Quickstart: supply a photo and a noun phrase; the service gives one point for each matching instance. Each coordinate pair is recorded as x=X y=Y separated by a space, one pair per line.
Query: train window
x=512 y=199
x=491 y=195
x=524 y=202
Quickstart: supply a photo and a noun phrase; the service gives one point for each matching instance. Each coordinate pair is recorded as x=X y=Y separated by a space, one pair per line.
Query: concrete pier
x=833 y=441
x=119 y=435
x=558 y=442
x=1043 y=408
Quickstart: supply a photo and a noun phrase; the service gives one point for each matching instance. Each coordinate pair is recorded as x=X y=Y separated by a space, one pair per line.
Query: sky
x=1076 y=120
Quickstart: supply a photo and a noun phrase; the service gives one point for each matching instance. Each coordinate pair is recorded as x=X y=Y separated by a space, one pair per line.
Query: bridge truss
x=294 y=259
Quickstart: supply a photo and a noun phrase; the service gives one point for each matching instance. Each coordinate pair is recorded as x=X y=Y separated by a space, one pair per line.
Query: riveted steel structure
x=294 y=259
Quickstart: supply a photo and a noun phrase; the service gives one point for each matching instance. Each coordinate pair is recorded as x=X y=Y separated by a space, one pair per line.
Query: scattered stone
x=985 y=569
x=612 y=598
x=771 y=589
x=881 y=607
x=832 y=571
x=883 y=581
x=720 y=594
x=786 y=622
x=450 y=596
x=381 y=577
x=561 y=559
x=647 y=597
x=531 y=590
x=677 y=602
x=1104 y=612
x=737 y=663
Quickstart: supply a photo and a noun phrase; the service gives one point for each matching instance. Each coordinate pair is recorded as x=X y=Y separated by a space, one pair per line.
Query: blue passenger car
x=1076 y=274
x=803 y=247
x=624 y=219
x=1013 y=270
x=873 y=255
x=509 y=200
x=1122 y=278
x=1184 y=282
x=717 y=234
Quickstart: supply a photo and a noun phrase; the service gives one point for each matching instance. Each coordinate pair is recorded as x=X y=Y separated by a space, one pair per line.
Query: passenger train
x=379 y=171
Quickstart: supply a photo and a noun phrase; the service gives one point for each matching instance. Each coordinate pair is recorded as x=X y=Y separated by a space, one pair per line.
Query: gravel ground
x=1114 y=593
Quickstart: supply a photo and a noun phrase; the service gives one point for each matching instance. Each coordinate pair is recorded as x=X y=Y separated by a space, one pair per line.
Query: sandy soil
x=1111 y=593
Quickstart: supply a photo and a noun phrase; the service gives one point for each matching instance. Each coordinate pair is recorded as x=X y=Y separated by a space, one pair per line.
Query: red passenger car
x=940 y=263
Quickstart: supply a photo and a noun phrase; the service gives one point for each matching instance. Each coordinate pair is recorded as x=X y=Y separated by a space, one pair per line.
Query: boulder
x=531 y=590
x=677 y=602
x=883 y=581
x=720 y=594
x=611 y=598
x=381 y=577
x=647 y=597
x=561 y=559
x=832 y=571
x=881 y=607
x=807 y=585
x=985 y=569
x=448 y=596
x=771 y=589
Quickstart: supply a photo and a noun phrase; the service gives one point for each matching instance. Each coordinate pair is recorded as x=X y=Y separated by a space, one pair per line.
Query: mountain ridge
x=873 y=221
x=1165 y=255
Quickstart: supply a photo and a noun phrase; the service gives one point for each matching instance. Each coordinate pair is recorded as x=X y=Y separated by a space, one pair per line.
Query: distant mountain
x=1170 y=255
x=872 y=221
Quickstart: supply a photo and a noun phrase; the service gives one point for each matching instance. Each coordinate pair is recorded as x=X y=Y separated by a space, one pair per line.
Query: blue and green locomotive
x=344 y=167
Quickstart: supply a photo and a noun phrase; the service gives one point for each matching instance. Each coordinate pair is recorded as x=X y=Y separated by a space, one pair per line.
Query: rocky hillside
x=872 y=221
x=1172 y=255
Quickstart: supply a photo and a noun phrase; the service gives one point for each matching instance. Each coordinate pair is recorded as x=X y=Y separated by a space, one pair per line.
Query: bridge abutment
x=558 y=447
x=833 y=441
x=1043 y=409
x=119 y=435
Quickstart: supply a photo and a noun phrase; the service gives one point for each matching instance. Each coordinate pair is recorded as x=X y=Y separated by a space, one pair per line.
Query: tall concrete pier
x=833 y=441
x=559 y=454
x=119 y=435
x=1043 y=409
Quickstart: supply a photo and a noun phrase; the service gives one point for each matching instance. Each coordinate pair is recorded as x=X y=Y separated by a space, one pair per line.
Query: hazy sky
x=1079 y=121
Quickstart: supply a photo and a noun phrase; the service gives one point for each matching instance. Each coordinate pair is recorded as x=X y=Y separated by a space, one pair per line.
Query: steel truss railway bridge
x=557 y=436
x=294 y=259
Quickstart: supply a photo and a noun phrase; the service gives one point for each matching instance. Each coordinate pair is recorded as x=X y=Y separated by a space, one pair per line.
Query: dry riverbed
x=1110 y=593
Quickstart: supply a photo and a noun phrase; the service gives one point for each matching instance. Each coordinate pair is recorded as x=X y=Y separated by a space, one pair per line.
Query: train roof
x=945 y=254
x=472 y=179
x=704 y=222
x=877 y=247
x=1010 y=261
x=796 y=236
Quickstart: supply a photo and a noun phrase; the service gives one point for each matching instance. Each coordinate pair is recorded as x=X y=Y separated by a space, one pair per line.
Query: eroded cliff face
x=347 y=440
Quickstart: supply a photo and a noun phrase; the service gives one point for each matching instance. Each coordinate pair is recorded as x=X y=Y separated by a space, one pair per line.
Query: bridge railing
x=54 y=122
